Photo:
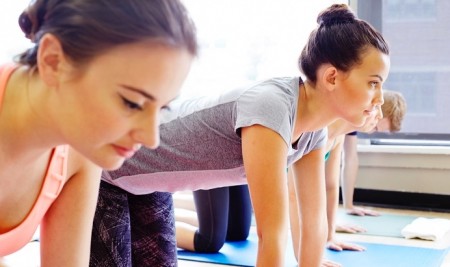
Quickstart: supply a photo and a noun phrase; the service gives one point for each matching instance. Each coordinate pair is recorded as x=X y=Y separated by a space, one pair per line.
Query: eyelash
x=131 y=105
x=374 y=84
x=166 y=108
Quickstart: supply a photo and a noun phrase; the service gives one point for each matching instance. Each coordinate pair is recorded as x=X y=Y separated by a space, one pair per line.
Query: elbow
x=273 y=237
x=331 y=185
x=272 y=233
x=320 y=232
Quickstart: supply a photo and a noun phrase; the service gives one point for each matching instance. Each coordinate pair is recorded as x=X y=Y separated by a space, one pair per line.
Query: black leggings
x=224 y=214
x=133 y=230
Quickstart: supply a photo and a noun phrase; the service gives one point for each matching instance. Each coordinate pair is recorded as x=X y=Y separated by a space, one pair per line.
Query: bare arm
x=294 y=216
x=351 y=163
x=67 y=226
x=309 y=184
x=264 y=153
x=332 y=174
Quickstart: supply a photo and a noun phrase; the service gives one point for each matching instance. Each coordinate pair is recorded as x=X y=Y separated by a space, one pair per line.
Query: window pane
x=418 y=32
x=404 y=10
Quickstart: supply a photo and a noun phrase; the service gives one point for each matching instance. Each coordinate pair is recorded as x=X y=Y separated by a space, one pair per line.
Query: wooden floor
x=29 y=256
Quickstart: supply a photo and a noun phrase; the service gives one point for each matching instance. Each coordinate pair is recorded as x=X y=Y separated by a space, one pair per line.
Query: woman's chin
x=357 y=122
x=112 y=164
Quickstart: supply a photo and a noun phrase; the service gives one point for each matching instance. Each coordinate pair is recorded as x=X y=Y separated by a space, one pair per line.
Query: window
x=418 y=87
x=246 y=40
x=409 y=10
x=418 y=32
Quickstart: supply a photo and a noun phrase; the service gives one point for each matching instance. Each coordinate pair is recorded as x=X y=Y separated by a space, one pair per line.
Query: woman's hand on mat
x=327 y=263
x=358 y=211
x=339 y=246
x=350 y=229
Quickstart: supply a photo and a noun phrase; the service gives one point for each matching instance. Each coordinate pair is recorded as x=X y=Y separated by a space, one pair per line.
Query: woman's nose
x=379 y=100
x=379 y=112
x=147 y=131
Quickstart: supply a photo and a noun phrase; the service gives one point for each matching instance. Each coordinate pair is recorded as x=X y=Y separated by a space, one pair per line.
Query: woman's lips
x=124 y=152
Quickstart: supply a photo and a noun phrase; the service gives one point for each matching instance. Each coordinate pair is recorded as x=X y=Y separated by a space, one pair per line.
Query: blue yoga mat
x=243 y=253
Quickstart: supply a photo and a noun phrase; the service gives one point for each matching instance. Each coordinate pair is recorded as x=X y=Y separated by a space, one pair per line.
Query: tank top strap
x=57 y=172
x=5 y=73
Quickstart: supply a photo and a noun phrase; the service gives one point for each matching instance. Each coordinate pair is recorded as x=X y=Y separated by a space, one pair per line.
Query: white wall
x=416 y=169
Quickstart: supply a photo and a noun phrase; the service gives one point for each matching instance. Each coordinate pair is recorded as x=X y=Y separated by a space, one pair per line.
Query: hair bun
x=25 y=24
x=336 y=14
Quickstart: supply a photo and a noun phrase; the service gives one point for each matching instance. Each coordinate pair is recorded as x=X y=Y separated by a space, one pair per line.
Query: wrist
x=348 y=206
x=330 y=236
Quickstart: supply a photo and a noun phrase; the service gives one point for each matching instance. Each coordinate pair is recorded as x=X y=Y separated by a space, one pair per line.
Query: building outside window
x=418 y=32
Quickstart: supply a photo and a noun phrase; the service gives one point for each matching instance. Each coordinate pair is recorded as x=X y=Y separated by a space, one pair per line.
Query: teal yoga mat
x=243 y=253
x=384 y=225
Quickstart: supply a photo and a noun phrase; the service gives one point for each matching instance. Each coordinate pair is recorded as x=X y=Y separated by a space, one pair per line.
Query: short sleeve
x=271 y=105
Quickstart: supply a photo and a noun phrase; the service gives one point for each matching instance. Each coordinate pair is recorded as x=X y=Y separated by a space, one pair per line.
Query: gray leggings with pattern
x=131 y=230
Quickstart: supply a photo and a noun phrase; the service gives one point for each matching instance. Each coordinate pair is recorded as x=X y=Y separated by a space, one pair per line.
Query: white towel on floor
x=427 y=228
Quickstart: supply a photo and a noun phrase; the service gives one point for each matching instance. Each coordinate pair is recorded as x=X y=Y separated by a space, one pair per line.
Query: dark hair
x=340 y=39
x=87 y=28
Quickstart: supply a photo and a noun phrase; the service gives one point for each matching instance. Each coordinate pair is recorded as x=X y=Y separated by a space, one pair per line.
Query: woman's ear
x=50 y=59
x=329 y=77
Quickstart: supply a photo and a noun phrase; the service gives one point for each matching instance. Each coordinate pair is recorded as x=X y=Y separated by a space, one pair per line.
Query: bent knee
x=207 y=244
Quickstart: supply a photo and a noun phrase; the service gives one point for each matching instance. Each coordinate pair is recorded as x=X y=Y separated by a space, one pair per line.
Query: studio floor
x=29 y=256
x=442 y=243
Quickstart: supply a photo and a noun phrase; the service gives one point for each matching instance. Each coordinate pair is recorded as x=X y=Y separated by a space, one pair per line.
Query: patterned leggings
x=131 y=230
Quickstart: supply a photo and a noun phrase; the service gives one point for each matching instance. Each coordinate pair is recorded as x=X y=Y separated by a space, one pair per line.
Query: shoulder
x=79 y=166
x=274 y=97
x=283 y=87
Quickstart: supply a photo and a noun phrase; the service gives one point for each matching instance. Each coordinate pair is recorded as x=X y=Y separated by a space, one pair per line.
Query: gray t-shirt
x=201 y=146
